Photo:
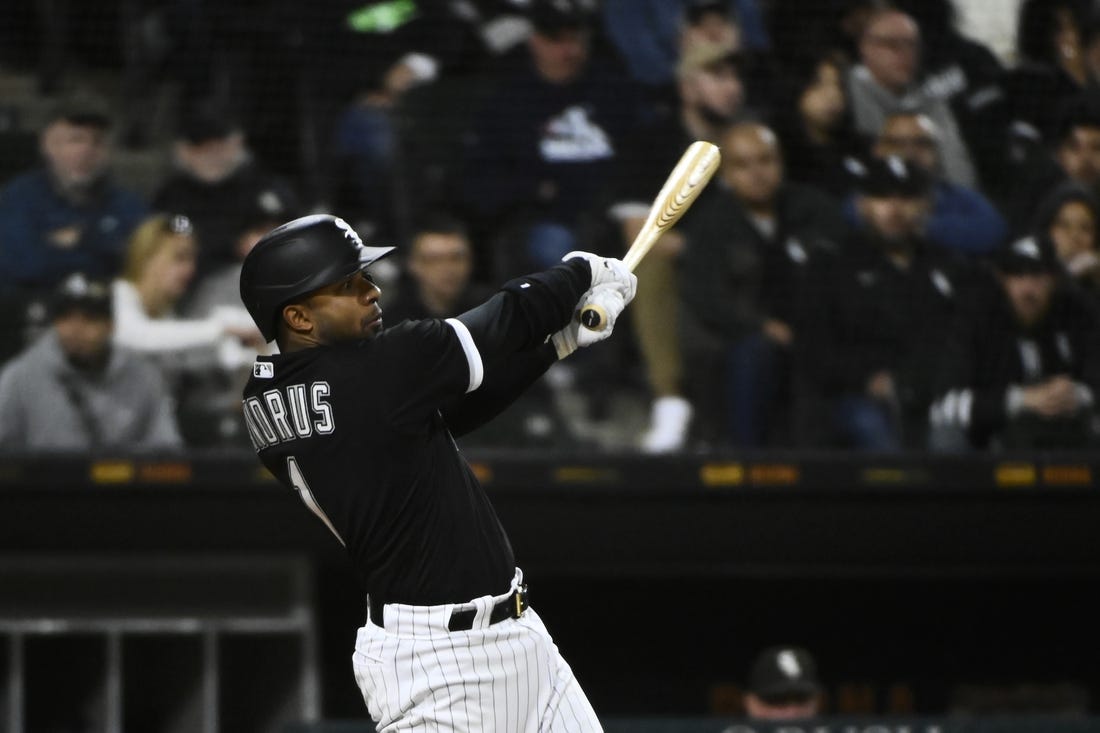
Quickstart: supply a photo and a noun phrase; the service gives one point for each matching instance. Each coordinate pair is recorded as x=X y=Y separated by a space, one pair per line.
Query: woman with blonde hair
x=160 y=262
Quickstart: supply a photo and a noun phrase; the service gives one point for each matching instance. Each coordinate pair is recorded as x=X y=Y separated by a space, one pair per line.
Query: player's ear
x=297 y=318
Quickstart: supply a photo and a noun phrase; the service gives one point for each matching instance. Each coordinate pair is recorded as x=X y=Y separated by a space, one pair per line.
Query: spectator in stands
x=744 y=266
x=160 y=263
x=711 y=97
x=72 y=391
x=1073 y=154
x=221 y=289
x=961 y=219
x=439 y=265
x=1024 y=371
x=814 y=123
x=216 y=179
x=887 y=80
x=1070 y=216
x=1051 y=65
x=875 y=316
x=783 y=685
x=373 y=61
x=68 y=215
x=545 y=142
x=967 y=76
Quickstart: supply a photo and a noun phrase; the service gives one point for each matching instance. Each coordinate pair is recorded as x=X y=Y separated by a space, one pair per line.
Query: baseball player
x=359 y=421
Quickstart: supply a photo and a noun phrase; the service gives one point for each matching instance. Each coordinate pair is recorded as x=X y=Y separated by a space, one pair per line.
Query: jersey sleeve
x=427 y=364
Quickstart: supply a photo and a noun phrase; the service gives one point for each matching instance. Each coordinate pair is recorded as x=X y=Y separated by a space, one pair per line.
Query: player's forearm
x=527 y=310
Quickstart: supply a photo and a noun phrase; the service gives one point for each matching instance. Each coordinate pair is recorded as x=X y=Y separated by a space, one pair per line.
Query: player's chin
x=371 y=326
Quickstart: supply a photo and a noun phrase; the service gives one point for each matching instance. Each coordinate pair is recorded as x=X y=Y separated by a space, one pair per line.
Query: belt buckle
x=521 y=596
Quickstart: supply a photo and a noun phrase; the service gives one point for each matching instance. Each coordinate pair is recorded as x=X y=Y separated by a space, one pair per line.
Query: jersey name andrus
x=293 y=412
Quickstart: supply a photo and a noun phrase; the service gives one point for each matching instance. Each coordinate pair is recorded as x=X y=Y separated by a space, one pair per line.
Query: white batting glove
x=575 y=336
x=608 y=271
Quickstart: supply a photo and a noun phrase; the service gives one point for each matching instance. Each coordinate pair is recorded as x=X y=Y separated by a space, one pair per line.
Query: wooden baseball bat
x=683 y=186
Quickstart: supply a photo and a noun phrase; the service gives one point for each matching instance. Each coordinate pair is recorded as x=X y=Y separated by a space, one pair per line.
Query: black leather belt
x=511 y=607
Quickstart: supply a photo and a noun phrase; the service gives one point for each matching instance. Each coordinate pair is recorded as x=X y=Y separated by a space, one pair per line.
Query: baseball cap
x=889 y=176
x=81 y=293
x=83 y=108
x=706 y=54
x=550 y=17
x=206 y=121
x=1028 y=255
x=265 y=206
x=784 y=673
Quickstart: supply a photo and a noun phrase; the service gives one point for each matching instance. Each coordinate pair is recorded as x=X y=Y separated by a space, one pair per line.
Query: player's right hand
x=575 y=336
x=608 y=271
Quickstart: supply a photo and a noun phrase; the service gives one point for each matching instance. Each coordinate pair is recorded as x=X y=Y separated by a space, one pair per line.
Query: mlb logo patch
x=263 y=370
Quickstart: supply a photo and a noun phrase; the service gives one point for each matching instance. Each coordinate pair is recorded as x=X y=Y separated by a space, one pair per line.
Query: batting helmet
x=297 y=258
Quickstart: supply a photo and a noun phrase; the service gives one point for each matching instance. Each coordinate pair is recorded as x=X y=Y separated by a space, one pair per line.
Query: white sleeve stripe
x=473 y=357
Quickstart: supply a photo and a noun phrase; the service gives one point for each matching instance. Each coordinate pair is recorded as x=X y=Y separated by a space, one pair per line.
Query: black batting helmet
x=297 y=258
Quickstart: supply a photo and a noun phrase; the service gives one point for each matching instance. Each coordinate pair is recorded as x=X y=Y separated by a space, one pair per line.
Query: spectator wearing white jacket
x=160 y=263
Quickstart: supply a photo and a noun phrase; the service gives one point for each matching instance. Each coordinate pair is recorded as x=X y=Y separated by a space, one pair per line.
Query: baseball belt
x=511 y=607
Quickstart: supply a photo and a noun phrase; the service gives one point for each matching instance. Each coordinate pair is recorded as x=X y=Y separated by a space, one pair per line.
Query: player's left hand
x=574 y=336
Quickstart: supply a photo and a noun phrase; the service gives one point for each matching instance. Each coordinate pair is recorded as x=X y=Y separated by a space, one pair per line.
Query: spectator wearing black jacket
x=744 y=266
x=1070 y=216
x=877 y=315
x=1023 y=371
x=218 y=183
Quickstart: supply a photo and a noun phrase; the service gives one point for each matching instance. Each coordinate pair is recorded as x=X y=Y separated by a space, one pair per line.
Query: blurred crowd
x=899 y=251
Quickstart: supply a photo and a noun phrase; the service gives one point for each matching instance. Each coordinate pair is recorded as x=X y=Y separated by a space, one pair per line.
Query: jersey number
x=300 y=485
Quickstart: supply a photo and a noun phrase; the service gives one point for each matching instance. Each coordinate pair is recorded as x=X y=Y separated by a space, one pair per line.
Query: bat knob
x=593 y=317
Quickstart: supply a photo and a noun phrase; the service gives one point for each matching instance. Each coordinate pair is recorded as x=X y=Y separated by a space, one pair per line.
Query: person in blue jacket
x=961 y=219
x=67 y=215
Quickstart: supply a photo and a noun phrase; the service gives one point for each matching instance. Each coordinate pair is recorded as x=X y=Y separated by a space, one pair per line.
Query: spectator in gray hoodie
x=73 y=391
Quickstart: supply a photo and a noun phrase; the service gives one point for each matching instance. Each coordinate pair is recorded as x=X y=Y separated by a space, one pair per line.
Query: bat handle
x=593 y=317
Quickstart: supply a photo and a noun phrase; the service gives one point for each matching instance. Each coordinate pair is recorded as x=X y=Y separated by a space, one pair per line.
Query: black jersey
x=362 y=430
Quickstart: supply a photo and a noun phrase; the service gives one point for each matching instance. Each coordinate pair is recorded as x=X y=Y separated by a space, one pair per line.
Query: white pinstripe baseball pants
x=416 y=675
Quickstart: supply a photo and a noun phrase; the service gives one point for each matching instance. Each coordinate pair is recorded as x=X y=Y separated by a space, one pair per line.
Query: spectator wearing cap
x=783 y=685
x=887 y=80
x=1023 y=371
x=1070 y=216
x=68 y=215
x=744 y=267
x=216 y=182
x=961 y=219
x=876 y=315
x=73 y=391
x=711 y=97
x=545 y=142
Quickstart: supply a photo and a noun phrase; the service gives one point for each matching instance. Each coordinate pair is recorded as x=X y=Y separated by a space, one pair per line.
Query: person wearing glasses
x=887 y=80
